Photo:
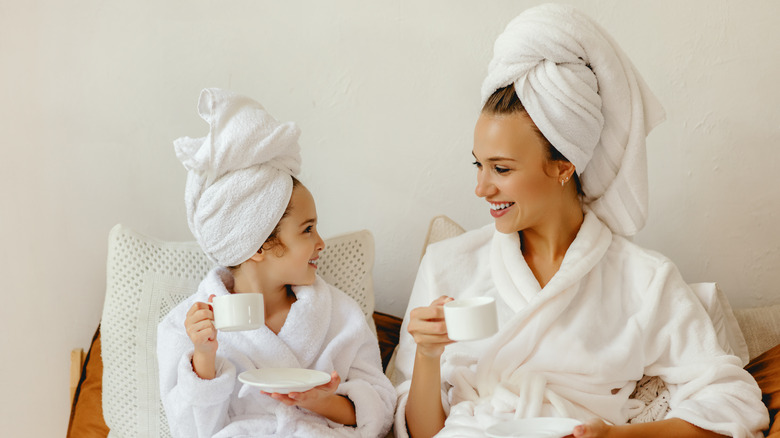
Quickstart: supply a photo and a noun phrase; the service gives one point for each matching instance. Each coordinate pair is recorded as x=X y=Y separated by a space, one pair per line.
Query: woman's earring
x=563 y=181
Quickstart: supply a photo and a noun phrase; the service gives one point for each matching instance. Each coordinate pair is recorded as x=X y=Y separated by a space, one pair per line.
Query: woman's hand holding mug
x=427 y=327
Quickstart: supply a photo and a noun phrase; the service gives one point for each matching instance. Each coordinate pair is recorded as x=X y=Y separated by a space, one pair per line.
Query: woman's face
x=514 y=175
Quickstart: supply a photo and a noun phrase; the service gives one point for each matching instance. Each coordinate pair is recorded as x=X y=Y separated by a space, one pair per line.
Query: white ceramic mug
x=235 y=312
x=469 y=319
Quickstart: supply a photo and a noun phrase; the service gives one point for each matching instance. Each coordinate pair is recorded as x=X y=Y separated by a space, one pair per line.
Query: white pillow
x=726 y=326
x=145 y=279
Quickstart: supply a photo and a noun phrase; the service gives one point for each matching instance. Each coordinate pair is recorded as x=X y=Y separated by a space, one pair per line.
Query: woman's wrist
x=424 y=411
x=673 y=427
x=429 y=355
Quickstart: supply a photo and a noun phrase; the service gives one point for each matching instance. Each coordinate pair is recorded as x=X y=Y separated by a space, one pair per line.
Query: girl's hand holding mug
x=199 y=325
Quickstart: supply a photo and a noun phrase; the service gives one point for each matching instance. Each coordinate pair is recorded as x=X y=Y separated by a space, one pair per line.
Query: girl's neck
x=276 y=297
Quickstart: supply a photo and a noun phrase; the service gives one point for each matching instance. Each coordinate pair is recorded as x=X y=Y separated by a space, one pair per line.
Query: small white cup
x=235 y=312
x=469 y=319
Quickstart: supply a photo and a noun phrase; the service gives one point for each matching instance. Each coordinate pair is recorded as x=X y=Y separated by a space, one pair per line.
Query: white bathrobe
x=325 y=330
x=576 y=348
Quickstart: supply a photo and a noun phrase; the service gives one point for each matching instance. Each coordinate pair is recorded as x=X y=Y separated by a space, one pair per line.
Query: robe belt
x=525 y=394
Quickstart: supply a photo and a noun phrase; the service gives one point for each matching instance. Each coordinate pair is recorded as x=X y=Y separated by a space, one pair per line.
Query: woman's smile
x=498 y=209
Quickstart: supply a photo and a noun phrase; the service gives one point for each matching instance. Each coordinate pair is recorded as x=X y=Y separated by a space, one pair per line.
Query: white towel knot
x=586 y=97
x=239 y=175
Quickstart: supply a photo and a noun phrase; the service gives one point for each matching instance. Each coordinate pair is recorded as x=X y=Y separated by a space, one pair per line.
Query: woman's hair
x=504 y=101
x=272 y=242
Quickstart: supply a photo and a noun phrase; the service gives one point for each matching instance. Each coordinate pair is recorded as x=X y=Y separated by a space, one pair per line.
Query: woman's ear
x=565 y=170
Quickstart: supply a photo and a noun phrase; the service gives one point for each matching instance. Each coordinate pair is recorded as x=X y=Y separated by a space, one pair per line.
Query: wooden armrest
x=388 y=328
x=76 y=362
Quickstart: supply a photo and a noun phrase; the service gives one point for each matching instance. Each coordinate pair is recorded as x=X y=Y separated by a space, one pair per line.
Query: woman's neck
x=544 y=246
x=552 y=239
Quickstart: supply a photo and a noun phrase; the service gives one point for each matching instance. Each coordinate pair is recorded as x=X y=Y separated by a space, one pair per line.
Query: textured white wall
x=386 y=93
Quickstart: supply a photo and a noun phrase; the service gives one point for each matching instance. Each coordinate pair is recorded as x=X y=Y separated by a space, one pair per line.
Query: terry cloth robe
x=325 y=330
x=577 y=347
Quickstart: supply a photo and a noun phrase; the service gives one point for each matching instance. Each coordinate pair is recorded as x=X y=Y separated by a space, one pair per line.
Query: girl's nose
x=320 y=243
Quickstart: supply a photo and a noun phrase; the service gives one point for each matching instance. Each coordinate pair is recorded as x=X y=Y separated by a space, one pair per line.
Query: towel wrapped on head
x=239 y=178
x=587 y=99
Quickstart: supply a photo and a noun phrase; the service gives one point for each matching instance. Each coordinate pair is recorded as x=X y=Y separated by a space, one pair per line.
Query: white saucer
x=533 y=428
x=284 y=380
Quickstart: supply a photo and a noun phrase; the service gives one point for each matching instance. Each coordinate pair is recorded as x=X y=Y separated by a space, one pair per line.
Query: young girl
x=259 y=224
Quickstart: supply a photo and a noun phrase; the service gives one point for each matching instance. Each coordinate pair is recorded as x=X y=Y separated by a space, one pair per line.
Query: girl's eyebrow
x=309 y=221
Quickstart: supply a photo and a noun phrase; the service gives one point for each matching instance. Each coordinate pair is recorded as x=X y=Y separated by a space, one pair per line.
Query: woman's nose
x=484 y=187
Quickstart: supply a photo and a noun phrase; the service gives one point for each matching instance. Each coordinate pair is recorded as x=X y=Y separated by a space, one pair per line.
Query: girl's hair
x=273 y=242
x=505 y=101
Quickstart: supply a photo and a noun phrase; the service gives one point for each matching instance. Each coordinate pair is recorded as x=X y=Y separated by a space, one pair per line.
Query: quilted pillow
x=145 y=278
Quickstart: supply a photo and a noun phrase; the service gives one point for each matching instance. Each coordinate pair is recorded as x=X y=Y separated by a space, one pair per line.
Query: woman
x=583 y=313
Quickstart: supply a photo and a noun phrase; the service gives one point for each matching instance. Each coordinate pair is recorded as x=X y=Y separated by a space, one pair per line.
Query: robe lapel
x=513 y=278
x=307 y=324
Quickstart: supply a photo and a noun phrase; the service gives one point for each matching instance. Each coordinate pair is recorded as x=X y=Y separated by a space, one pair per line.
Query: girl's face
x=297 y=263
x=514 y=173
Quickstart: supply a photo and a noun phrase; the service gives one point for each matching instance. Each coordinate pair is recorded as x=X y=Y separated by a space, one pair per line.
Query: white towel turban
x=586 y=97
x=239 y=178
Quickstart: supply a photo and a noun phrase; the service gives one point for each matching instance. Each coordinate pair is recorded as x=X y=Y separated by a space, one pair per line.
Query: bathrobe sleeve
x=195 y=407
x=423 y=293
x=355 y=355
x=708 y=387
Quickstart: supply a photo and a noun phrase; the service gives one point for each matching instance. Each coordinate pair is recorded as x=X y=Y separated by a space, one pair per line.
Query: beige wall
x=386 y=93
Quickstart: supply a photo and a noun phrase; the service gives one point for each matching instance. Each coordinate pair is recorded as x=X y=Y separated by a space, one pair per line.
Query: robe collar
x=300 y=340
x=518 y=286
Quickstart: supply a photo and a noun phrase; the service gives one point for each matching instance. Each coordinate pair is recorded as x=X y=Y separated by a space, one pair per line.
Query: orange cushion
x=86 y=413
x=766 y=370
